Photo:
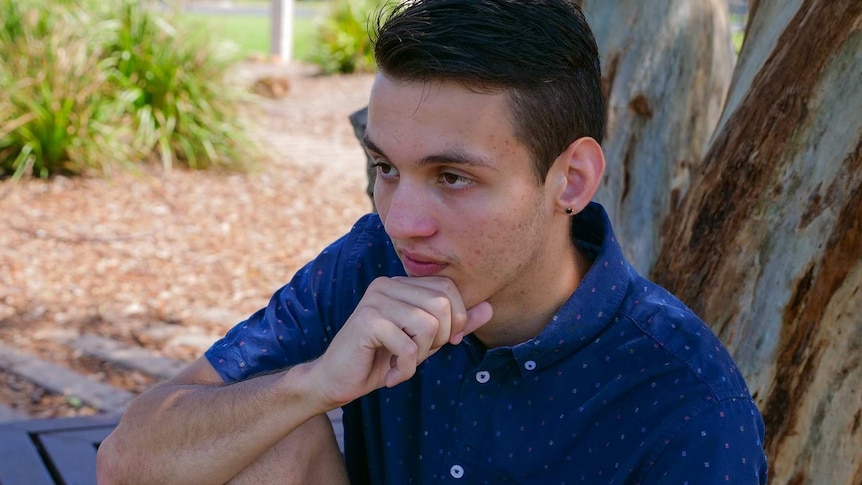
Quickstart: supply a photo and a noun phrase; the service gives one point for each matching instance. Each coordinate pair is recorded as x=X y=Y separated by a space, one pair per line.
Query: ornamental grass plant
x=90 y=85
x=56 y=115
x=343 y=45
x=175 y=80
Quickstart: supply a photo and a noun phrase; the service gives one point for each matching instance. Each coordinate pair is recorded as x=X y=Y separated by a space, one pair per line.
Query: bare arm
x=195 y=429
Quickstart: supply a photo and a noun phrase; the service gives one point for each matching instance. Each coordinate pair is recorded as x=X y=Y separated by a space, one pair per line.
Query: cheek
x=488 y=242
x=381 y=198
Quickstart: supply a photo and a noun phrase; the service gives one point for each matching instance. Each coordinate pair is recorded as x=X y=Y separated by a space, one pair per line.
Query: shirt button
x=457 y=471
x=529 y=365
x=483 y=376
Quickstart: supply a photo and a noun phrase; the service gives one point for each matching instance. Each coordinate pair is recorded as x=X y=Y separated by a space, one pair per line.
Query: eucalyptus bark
x=666 y=69
x=767 y=244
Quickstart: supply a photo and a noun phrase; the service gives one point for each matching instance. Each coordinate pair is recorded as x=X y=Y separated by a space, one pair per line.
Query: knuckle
x=440 y=305
x=447 y=285
x=380 y=283
x=408 y=372
x=430 y=326
x=459 y=318
x=409 y=351
x=366 y=313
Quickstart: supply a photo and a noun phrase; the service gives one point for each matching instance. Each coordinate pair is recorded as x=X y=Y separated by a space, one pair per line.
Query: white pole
x=281 y=38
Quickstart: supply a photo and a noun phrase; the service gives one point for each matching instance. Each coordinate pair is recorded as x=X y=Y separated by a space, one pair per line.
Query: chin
x=470 y=298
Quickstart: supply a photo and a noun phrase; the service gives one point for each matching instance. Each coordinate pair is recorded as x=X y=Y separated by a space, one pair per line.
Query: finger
x=421 y=326
x=402 y=364
x=395 y=375
x=477 y=316
x=449 y=309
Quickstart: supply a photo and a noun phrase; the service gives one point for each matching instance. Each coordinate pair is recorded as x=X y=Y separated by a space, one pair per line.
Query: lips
x=420 y=265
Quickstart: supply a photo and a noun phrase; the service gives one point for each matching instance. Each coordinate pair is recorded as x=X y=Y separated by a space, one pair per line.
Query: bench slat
x=91 y=435
x=53 y=425
x=20 y=462
x=73 y=459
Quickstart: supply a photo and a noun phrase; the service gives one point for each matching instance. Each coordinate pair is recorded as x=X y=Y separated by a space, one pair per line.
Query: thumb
x=476 y=317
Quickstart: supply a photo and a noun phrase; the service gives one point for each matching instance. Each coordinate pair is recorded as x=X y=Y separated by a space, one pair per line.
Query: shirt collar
x=594 y=303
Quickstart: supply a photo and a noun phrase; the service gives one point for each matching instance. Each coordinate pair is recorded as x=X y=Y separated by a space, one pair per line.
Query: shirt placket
x=473 y=413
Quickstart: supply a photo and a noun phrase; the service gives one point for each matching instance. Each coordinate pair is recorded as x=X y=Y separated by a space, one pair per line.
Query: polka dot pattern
x=624 y=385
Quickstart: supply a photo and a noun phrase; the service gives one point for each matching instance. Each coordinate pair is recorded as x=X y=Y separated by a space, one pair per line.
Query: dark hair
x=542 y=52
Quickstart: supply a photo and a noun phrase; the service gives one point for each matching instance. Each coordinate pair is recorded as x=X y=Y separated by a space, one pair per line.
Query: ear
x=577 y=173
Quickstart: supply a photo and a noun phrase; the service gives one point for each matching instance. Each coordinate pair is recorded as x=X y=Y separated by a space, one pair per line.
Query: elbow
x=110 y=462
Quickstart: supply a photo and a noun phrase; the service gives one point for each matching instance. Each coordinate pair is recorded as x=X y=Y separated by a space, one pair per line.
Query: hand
x=398 y=323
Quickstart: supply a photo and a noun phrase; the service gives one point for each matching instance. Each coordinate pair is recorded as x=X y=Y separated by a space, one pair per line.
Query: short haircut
x=541 y=52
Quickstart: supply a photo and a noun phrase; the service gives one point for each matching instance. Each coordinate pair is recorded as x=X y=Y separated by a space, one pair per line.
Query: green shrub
x=175 y=78
x=91 y=84
x=56 y=115
x=342 y=44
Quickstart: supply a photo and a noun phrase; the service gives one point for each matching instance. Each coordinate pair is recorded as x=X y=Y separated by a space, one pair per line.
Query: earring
x=569 y=211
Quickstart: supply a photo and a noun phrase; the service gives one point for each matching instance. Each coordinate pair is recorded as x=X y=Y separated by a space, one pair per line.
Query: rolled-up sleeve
x=303 y=316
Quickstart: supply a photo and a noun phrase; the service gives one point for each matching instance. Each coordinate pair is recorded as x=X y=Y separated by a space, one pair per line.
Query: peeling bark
x=768 y=244
x=666 y=68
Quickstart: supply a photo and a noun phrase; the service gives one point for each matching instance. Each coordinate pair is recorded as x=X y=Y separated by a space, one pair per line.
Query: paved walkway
x=311 y=124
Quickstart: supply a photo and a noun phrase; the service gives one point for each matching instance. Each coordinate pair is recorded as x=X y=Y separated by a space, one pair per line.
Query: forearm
x=181 y=433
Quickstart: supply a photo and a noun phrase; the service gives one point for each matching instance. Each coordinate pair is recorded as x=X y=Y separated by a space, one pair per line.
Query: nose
x=406 y=211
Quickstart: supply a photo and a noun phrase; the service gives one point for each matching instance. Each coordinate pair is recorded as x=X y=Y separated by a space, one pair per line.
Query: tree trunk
x=767 y=244
x=666 y=68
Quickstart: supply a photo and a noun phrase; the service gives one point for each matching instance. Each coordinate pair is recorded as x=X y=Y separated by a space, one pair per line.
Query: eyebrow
x=454 y=156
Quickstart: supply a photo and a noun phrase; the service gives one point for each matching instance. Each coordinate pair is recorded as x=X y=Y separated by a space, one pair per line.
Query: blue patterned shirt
x=624 y=385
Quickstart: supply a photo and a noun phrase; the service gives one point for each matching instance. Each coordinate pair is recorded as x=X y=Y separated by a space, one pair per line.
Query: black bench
x=63 y=451
x=52 y=451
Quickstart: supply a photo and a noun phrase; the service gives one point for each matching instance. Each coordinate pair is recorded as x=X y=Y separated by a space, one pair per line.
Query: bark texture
x=666 y=69
x=767 y=244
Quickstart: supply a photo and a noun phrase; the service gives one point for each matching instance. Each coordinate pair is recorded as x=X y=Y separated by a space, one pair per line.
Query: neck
x=523 y=312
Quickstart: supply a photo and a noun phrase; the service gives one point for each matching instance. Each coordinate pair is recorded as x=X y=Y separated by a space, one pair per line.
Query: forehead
x=416 y=117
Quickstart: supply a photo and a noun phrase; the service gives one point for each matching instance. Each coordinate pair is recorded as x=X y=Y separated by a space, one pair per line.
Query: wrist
x=302 y=384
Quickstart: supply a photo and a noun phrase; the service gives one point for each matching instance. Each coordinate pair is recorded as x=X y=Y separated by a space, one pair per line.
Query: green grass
x=738 y=38
x=304 y=37
x=252 y=32
x=249 y=32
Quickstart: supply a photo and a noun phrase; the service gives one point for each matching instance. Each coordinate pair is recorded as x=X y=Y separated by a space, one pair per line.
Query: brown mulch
x=169 y=261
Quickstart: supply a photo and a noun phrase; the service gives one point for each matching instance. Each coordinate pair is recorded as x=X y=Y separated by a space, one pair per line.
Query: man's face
x=455 y=189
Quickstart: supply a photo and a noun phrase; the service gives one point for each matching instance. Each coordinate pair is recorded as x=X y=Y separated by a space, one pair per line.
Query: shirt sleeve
x=721 y=445
x=301 y=318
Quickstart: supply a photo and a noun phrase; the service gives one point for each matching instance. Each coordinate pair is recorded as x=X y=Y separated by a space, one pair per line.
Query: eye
x=454 y=180
x=386 y=170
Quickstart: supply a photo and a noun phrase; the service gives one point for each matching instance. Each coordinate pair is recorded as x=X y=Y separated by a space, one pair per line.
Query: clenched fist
x=398 y=324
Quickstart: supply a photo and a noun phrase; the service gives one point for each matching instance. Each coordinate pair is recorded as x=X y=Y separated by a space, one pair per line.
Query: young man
x=485 y=327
